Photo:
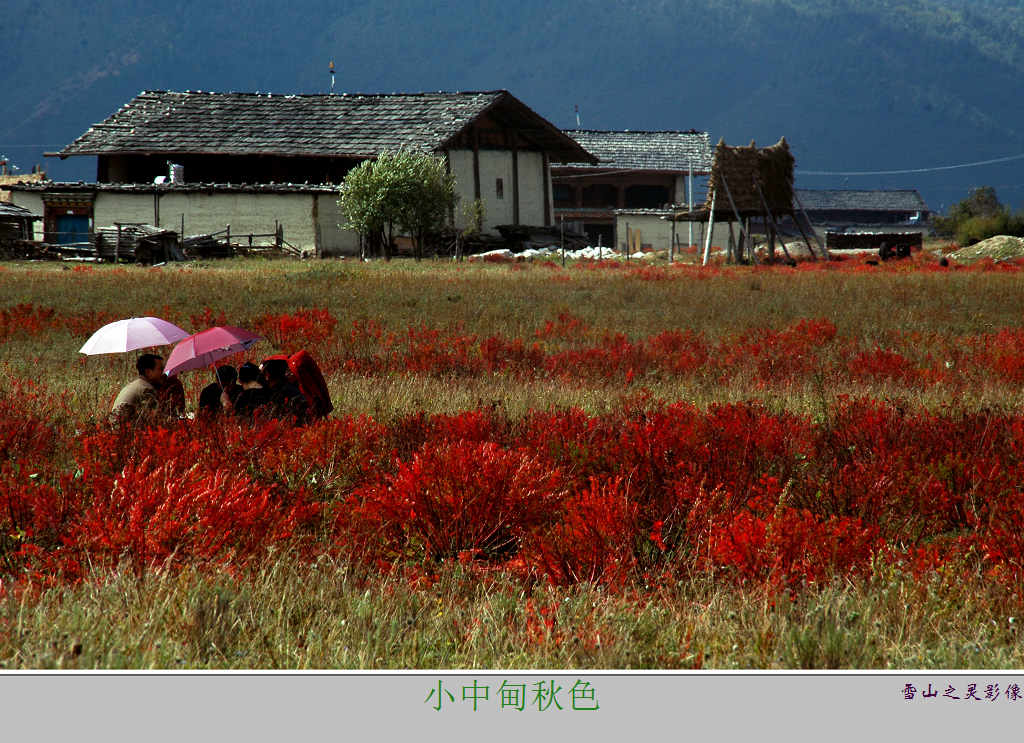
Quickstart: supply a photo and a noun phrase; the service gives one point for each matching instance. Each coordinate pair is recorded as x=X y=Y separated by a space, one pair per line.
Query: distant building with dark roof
x=634 y=170
x=845 y=210
x=497 y=147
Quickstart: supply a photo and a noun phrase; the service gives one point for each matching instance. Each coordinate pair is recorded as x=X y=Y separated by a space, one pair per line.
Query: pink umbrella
x=132 y=334
x=205 y=348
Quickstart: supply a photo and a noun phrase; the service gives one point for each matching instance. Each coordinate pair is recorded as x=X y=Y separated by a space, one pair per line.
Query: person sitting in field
x=209 y=399
x=170 y=397
x=253 y=398
x=286 y=398
x=138 y=398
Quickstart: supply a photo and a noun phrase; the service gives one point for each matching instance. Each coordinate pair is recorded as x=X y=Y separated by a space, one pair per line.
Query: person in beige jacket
x=139 y=397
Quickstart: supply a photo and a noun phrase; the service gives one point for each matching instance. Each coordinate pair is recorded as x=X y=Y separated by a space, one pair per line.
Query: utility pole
x=689 y=207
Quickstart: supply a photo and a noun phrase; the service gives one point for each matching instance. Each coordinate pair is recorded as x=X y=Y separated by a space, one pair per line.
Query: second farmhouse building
x=210 y=159
x=639 y=177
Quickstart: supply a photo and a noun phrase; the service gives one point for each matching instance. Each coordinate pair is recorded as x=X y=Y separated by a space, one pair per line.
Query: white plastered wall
x=246 y=213
x=496 y=164
x=334 y=239
x=112 y=206
x=531 y=188
x=207 y=212
x=657 y=232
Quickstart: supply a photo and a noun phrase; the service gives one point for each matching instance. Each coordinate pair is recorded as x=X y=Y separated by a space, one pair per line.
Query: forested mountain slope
x=854 y=85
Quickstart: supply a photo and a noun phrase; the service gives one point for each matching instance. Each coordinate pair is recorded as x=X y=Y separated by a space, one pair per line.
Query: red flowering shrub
x=567 y=327
x=327 y=459
x=157 y=512
x=455 y=497
x=678 y=352
x=513 y=356
x=429 y=351
x=880 y=364
x=27 y=442
x=26 y=320
x=761 y=538
x=781 y=356
x=208 y=319
x=301 y=329
x=593 y=541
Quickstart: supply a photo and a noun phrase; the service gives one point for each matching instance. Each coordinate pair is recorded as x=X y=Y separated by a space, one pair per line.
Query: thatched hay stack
x=742 y=167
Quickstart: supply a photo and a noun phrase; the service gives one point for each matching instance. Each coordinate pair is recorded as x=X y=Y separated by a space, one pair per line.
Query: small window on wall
x=499 y=188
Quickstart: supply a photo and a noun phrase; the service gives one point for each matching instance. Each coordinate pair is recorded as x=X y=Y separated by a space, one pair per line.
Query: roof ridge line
x=636 y=131
x=268 y=94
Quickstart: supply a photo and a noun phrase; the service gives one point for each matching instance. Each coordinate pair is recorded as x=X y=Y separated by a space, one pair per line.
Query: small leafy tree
x=408 y=190
x=979 y=216
x=473 y=215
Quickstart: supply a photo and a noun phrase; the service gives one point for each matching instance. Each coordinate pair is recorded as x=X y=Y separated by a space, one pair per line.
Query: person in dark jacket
x=170 y=397
x=254 y=398
x=209 y=399
x=286 y=398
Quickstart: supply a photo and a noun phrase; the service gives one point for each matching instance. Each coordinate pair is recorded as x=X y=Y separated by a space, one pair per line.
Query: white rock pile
x=553 y=252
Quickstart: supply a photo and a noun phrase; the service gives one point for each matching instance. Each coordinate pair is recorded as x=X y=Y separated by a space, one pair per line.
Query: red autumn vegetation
x=735 y=491
x=644 y=493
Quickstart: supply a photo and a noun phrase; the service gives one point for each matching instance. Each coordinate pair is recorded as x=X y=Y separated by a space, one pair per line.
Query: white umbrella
x=132 y=334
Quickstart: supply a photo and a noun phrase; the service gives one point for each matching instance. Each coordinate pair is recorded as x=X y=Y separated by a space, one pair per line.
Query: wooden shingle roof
x=907 y=200
x=12 y=211
x=640 y=150
x=354 y=126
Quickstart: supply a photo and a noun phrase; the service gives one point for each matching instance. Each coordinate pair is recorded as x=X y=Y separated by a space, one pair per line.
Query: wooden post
x=672 y=242
x=227 y=237
x=448 y=171
x=561 y=225
x=629 y=239
x=764 y=203
x=824 y=249
x=806 y=240
x=117 y=245
x=515 y=180
x=711 y=229
x=476 y=163
x=689 y=208
x=600 y=250
x=748 y=239
x=770 y=230
x=181 y=236
x=731 y=254
x=728 y=193
x=546 y=171
x=318 y=249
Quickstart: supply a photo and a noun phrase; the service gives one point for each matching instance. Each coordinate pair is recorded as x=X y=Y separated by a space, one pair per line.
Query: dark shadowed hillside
x=865 y=85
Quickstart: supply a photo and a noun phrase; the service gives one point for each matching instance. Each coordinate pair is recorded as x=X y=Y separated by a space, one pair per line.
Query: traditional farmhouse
x=200 y=161
x=638 y=177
